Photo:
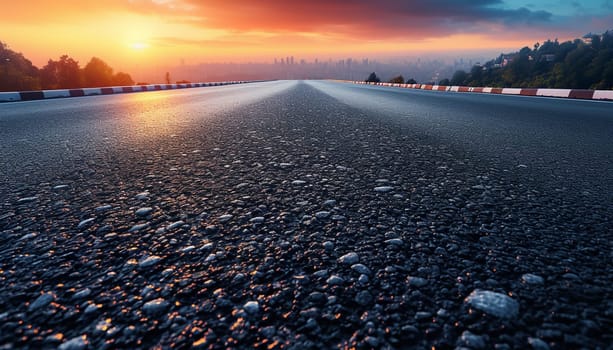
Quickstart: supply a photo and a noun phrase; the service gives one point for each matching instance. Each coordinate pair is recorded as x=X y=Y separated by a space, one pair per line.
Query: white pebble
x=103 y=208
x=349 y=258
x=84 y=293
x=335 y=280
x=149 y=261
x=495 y=304
x=532 y=279
x=224 y=218
x=91 y=308
x=28 y=236
x=85 y=223
x=394 y=241
x=155 y=307
x=360 y=268
x=187 y=249
x=139 y=227
x=77 y=343
x=144 y=211
x=42 y=301
x=322 y=214
x=175 y=225
x=251 y=307
x=383 y=189
x=142 y=195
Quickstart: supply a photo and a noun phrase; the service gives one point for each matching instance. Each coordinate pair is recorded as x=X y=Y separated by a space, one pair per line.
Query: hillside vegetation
x=579 y=64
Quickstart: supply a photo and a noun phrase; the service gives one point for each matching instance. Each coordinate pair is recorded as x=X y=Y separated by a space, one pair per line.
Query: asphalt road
x=308 y=215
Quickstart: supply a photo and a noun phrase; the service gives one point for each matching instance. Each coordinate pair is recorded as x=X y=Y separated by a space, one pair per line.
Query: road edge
x=18 y=96
x=583 y=94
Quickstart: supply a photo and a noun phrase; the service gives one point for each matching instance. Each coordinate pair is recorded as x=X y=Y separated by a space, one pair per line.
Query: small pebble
x=155 y=307
x=529 y=278
x=416 y=281
x=383 y=189
x=349 y=258
x=42 y=301
x=149 y=261
x=83 y=293
x=144 y=211
x=492 y=303
x=175 y=225
x=472 y=341
x=27 y=199
x=335 y=280
x=322 y=215
x=362 y=269
x=85 y=223
x=77 y=343
x=394 y=241
x=251 y=307
x=538 y=344
x=224 y=218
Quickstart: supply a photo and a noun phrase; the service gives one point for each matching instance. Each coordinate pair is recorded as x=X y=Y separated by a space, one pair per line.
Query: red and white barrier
x=561 y=93
x=47 y=94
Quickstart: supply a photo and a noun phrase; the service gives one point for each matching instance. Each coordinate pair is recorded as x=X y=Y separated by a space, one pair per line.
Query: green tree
x=397 y=80
x=97 y=73
x=61 y=74
x=122 y=79
x=373 y=78
x=16 y=72
x=459 y=78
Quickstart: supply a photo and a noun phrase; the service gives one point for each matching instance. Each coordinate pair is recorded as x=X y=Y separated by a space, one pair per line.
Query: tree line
x=17 y=73
x=576 y=64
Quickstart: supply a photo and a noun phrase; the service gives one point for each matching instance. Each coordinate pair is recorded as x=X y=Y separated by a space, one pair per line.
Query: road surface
x=309 y=215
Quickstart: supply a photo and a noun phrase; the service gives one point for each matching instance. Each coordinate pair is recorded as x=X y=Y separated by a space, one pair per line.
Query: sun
x=139 y=46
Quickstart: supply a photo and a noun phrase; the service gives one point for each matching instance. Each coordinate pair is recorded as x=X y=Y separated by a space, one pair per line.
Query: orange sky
x=134 y=35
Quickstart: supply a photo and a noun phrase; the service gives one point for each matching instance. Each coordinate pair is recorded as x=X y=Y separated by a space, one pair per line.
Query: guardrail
x=561 y=93
x=48 y=94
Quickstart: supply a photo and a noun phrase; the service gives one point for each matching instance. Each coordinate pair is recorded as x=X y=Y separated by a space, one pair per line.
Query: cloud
x=380 y=19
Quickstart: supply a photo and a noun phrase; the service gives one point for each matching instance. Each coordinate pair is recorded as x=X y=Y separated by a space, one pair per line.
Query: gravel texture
x=294 y=224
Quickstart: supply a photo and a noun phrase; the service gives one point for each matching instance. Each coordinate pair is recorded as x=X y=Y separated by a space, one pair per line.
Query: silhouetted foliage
x=459 y=77
x=411 y=81
x=61 y=74
x=122 y=78
x=98 y=73
x=373 y=78
x=578 y=64
x=444 y=82
x=397 y=80
x=167 y=77
x=16 y=72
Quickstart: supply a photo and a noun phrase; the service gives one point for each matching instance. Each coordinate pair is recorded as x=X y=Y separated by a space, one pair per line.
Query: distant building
x=548 y=57
x=587 y=38
x=506 y=59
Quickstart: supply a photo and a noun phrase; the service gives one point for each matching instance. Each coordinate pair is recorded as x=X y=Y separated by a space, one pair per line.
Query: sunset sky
x=146 y=33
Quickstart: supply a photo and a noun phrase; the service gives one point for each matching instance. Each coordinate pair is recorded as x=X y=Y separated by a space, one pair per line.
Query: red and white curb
x=47 y=94
x=561 y=93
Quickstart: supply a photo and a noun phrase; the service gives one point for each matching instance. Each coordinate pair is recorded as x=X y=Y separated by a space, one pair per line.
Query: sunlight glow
x=139 y=46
